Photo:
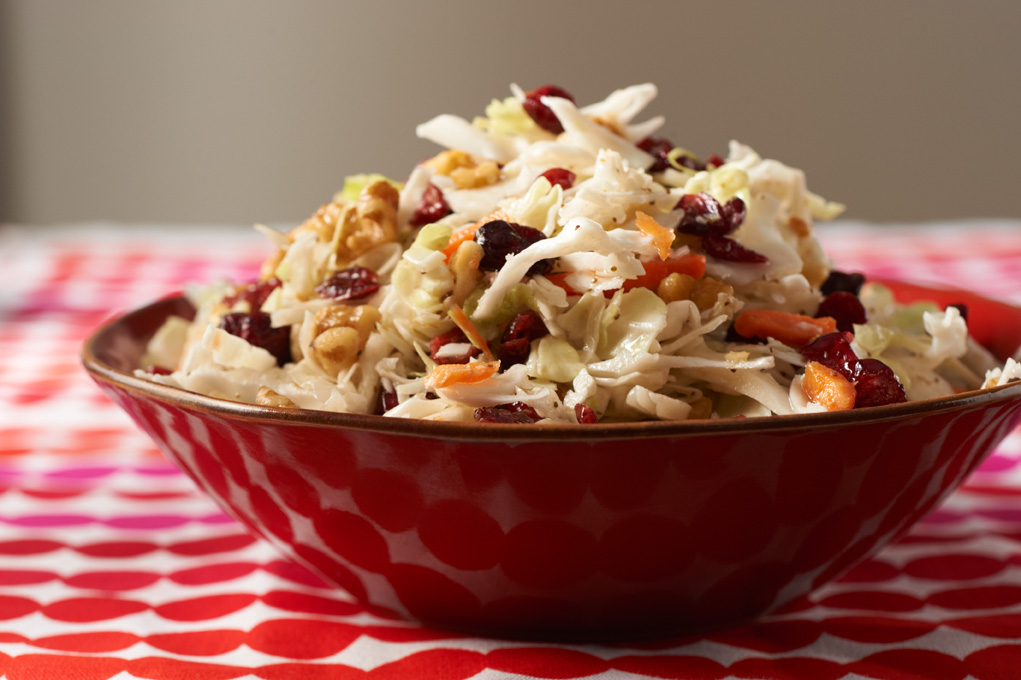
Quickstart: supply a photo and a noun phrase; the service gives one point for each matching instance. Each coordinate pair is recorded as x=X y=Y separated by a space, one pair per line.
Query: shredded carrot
x=468 y=233
x=661 y=237
x=828 y=388
x=795 y=330
x=458 y=316
x=692 y=264
x=459 y=237
x=446 y=375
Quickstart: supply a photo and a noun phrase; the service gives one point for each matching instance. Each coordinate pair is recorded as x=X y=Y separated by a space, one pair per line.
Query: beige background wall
x=242 y=111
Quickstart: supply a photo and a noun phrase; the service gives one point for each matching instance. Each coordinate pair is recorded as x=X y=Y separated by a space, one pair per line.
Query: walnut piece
x=704 y=292
x=352 y=230
x=701 y=409
x=482 y=175
x=446 y=162
x=340 y=334
x=373 y=223
x=707 y=293
x=267 y=397
x=467 y=171
x=323 y=222
x=676 y=287
x=335 y=349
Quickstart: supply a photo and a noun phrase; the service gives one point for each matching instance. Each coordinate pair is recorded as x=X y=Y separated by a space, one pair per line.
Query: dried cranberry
x=845 y=308
x=255 y=294
x=517 y=412
x=733 y=213
x=875 y=384
x=516 y=341
x=585 y=414
x=962 y=308
x=690 y=162
x=158 y=370
x=702 y=215
x=500 y=240
x=514 y=352
x=542 y=114
x=659 y=148
x=706 y=218
x=565 y=178
x=833 y=350
x=522 y=407
x=723 y=248
x=715 y=161
x=385 y=401
x=349 y=284
x=431 y=208
x=526 y=324
x=257 y=329
x=843 y=282
x=455 y=335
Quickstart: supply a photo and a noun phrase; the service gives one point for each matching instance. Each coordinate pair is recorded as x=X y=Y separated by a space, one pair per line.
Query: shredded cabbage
x=571 y=299
x=506 y=117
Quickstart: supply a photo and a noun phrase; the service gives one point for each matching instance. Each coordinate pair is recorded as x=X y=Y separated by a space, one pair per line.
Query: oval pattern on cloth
x=204 y=608
x=89 y=609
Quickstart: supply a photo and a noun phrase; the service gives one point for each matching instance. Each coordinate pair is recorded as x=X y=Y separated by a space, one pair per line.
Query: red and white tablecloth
x=113 y=566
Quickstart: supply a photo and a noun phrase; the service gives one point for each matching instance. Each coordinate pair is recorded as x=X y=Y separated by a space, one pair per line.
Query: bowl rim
x=658 y=429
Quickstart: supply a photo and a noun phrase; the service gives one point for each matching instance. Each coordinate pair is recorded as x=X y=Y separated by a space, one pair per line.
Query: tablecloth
x=113 y=566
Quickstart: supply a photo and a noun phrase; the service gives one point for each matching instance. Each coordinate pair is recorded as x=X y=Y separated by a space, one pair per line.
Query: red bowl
x=600 y=531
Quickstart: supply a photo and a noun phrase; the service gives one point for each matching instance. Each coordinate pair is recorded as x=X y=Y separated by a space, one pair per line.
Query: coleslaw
x=561 y=264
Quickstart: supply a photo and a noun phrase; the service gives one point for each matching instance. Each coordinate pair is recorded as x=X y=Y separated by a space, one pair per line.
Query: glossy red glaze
x=595 y=531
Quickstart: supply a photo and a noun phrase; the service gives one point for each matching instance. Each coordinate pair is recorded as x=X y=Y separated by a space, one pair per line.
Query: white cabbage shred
x=615 y=306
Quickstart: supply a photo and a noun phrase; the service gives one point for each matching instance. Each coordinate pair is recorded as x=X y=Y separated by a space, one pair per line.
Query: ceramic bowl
x=599 y=531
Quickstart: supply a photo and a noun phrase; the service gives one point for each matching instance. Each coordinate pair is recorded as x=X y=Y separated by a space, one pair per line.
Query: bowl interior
x=994 y=324
x=120 y=344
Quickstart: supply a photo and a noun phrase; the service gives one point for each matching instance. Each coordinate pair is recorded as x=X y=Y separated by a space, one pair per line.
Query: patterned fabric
x=112 y=565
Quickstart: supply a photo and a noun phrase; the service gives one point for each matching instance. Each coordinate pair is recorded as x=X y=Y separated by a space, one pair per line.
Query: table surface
x=113 y=566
